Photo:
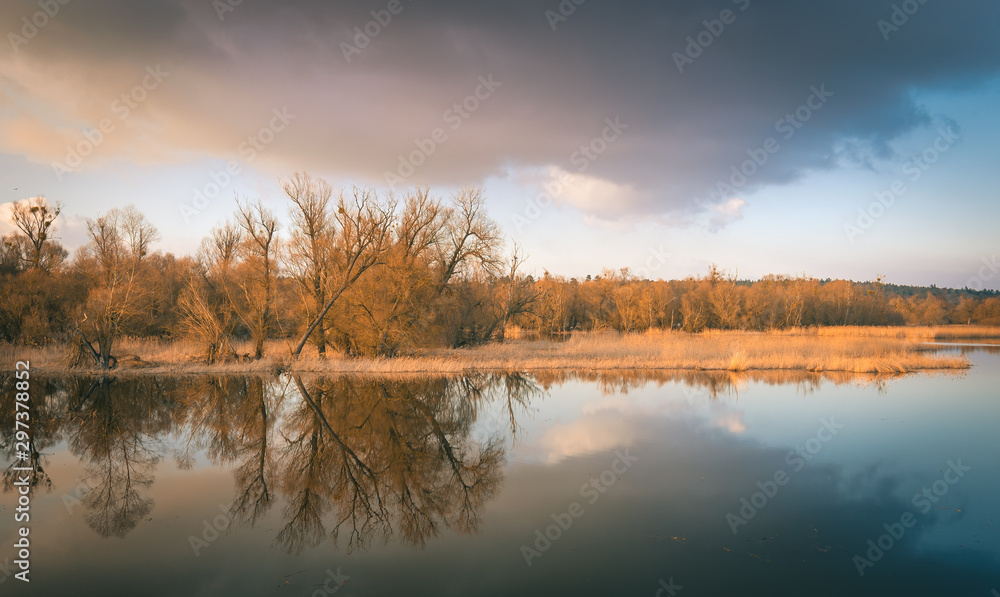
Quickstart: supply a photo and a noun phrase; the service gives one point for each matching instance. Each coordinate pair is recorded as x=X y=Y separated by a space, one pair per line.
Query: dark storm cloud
x=685 y=129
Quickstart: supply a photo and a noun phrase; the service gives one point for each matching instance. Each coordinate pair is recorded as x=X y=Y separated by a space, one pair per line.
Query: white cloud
x=5 y=210
x=591 y=194
x=725 y=213
x=68 y=230
x=587 y=435
x=602 y=201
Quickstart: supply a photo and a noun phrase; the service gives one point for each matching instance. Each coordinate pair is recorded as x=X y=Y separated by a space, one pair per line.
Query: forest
x=375 y=274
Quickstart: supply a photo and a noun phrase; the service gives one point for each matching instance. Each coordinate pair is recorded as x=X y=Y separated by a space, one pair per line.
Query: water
x=320 y=486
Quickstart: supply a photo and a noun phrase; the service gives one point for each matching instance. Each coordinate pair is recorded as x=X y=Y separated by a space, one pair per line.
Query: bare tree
x=119 y=244
x=364 y=232
x=34 y=218
x=259 y=248
x=205 y=303
x=726 y=300
x=221 y=248
x=471 y=236
x=389 y=311
x=310 y=248
x=519 y=293
x=205 y=319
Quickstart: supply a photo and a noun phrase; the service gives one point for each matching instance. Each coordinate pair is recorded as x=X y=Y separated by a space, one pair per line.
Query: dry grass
x=837 y=350
x=926 y=333
x=713 y=351
x=849 y=349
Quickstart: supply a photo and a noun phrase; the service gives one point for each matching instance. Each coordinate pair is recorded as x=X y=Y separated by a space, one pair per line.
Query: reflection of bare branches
x=390 y=455
x=307 y=506
x=210 y=407
x=715 y=383
x=43 y=419
x=113 y=427
x=354 y=482
x=477 y=480
x=518 y=390
x=35 y=475
x=254 y=497
x=363 y=458
x=114 y=505
x=470 y=393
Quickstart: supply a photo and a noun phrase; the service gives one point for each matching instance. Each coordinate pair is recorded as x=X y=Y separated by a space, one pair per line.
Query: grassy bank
x=841 y=349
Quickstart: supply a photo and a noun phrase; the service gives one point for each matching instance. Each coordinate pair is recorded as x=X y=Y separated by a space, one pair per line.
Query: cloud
x=591 y=194
x=6 y=209
x=354 y=119
x=729 y=420
x=69 y=230
x=586 y=435
x=723 y=214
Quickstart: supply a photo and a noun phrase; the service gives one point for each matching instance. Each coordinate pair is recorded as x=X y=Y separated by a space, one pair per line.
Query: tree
x=259 y=251
x=517 y=293
x=34 y=218
x=116 y=256
x=470 y=237
x=392 y=308
x=725 y=298
x=468 y=262
x=206 y=309
x=310 y=247
x=34 y=298
x=364 y=231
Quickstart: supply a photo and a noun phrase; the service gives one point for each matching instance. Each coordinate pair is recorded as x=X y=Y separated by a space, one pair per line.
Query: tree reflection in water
x=351 y=460
x=44 y=430
x=383 y=452
x=355 y=459
x=114 y=428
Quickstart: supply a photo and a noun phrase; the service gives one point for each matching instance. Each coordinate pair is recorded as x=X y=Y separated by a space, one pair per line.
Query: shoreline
x=878 y=351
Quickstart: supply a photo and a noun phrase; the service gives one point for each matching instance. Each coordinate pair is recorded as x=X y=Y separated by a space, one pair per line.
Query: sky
x=848 y=139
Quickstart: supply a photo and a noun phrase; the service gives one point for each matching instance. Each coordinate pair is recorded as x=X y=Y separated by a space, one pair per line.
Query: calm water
x=512 y=485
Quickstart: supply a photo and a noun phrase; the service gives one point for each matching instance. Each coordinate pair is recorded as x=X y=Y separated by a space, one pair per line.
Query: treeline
x=366 y=273
x=616 y=300
x=362 y=272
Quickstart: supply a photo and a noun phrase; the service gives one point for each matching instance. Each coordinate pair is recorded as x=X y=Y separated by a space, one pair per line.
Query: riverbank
x=839 y=349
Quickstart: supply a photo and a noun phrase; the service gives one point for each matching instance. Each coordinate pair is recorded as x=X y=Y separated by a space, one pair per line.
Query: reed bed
x=852 y=350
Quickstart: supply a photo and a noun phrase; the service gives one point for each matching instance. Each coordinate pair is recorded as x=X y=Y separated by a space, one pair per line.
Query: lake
x=545 y=484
